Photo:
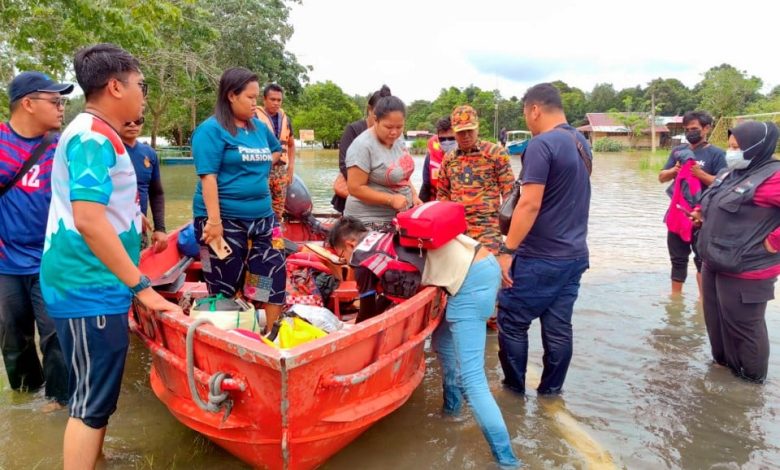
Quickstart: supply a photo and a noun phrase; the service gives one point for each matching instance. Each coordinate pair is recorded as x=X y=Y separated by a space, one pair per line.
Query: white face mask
x=735 y=160
x=449 y=145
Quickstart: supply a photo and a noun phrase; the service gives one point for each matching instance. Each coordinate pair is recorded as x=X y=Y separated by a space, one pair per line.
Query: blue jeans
x=21 y=309
x=545 y=289
x=459 y=342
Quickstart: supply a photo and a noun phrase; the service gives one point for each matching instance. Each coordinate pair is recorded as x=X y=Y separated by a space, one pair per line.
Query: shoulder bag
x=34 y=157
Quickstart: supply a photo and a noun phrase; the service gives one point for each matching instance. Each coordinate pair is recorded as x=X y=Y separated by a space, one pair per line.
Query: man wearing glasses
x=150 y=190
x=27 y=143
x=89 y=272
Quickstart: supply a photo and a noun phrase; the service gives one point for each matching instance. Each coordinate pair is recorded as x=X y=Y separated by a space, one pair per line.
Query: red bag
x=431 y=225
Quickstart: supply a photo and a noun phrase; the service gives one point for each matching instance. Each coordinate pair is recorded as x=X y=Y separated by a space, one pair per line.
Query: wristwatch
x=142 y=284
x=505 y=250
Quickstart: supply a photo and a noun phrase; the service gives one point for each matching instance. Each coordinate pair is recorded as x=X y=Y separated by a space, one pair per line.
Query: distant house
x=601 y=125
x=675 y=126
x=415 y=136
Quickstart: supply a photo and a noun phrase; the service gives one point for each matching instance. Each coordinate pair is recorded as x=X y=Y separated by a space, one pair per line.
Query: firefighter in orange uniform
x=280 y=124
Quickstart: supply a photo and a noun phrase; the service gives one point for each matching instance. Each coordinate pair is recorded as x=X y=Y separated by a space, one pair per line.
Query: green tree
x=44 y=35
x=672 y=97
x=602 y=98
x=360 y=101
x=510 y=114
x=183 y=46
x=631 y=99
x=726 y=91
x=636 y=123
x=253 y=34
x=483 y=102
x=574 y=102
x=420 y=116
x=325 y=108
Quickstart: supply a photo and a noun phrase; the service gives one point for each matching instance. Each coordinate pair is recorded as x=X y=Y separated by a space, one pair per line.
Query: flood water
x=640 y=394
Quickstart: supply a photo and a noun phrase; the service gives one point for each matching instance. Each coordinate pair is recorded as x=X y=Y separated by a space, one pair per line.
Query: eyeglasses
x=144 y=86
x=58 y=102
x=137 y=122
x=446 y=139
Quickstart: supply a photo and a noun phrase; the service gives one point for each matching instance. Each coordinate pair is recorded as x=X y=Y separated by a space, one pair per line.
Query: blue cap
x=31 y=82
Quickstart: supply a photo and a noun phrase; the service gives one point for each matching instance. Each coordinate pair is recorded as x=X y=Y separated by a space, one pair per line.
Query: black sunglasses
x=446 y=139
x=137 y=122
x=144 y=86
x=58 y=102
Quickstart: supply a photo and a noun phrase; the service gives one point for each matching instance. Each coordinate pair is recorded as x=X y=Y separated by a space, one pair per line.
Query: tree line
x=184 y=45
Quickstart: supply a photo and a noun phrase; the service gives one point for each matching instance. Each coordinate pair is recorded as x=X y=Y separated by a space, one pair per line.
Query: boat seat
x=345 y=292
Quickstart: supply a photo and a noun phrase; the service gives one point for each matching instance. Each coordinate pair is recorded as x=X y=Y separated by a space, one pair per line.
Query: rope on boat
x=217 y=396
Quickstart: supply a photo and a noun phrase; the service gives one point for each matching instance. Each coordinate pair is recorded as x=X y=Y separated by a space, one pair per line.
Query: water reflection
x=640 y=384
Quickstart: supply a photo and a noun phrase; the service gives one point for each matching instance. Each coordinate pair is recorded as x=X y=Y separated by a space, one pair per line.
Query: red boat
x=282 y=409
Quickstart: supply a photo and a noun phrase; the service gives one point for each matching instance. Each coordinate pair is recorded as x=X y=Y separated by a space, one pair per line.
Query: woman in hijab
x=739 y=242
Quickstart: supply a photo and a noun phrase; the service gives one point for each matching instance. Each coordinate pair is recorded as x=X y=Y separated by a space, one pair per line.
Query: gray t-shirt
x=389 y=170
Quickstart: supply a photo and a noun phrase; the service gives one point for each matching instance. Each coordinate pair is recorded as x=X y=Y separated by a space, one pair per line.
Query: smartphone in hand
x=685 y=211
x=220 y=247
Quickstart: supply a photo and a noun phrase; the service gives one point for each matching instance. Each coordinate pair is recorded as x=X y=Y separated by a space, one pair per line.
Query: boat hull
x=291 y=409
x=517 y=148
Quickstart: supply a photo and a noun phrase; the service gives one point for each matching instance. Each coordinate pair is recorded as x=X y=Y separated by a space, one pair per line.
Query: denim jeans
x=21 y=309
x=545 y=289
x=459 y=342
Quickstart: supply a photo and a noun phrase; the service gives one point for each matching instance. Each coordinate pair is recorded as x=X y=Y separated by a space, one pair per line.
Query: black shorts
x=95 y=349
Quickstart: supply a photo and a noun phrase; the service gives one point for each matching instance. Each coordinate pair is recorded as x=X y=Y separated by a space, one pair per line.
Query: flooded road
x=640 y=394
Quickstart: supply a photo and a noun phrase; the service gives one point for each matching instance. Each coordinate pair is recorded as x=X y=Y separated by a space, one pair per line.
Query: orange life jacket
x=284 y=129
x=436 y=156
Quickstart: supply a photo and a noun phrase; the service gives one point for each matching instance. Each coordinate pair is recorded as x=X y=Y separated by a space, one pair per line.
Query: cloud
x=578 y=71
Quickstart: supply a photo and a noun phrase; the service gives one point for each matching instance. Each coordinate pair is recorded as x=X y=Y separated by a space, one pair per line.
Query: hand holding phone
x=685 y=211
x=220 y=247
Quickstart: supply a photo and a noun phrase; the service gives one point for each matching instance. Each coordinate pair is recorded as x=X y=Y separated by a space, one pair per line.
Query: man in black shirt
x=709 y=161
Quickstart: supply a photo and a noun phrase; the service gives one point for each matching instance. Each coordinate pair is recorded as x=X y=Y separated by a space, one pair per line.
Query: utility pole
x=495 y=123
x=652 y=122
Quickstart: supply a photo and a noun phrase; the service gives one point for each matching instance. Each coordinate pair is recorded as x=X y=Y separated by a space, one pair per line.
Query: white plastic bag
x=320 y=317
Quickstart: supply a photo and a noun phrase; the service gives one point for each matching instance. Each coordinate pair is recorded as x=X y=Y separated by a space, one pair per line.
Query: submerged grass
x=653 y=162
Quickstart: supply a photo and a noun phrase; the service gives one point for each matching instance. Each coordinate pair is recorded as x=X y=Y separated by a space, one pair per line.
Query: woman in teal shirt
x=233 y=154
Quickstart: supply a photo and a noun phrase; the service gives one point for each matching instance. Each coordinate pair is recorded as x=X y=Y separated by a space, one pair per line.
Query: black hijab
x=758 y=141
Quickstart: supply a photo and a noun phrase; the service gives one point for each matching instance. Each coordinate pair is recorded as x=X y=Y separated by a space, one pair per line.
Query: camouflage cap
x=464 y=118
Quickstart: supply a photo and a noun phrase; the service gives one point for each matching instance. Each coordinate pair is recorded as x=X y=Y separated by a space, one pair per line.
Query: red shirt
x=767 y=195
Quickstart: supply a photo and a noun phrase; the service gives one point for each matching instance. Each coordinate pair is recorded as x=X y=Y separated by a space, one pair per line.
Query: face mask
x=693 y=137
x=735 y=160
x=449 y=145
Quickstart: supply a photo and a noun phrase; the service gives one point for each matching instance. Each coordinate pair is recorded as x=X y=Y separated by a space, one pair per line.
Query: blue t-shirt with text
x=241 y=162
x=147 y=169
x=561 y=227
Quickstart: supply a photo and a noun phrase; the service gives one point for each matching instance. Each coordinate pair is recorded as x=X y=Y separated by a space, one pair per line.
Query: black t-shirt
x=710 y=158
x=561 y=228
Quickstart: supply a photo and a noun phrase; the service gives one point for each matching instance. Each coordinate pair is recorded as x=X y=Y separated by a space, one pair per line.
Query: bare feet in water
x=51 y=406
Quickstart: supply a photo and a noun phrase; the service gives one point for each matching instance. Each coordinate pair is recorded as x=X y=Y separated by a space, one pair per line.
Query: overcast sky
x=418 y=47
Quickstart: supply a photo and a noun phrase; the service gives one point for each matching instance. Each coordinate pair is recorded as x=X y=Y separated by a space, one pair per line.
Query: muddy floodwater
x=641 y=392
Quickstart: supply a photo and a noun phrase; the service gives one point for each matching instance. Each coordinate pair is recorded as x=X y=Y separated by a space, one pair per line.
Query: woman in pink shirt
x=739 y=242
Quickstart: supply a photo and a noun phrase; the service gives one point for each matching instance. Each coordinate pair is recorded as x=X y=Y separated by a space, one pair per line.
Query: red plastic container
x=431 y=225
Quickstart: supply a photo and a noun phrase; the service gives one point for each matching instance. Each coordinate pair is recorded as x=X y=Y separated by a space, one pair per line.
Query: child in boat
x=470 y=275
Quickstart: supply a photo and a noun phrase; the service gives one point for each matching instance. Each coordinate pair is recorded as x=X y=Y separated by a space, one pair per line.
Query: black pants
x=679 y=251
x=21 y=309
x=734 y=314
